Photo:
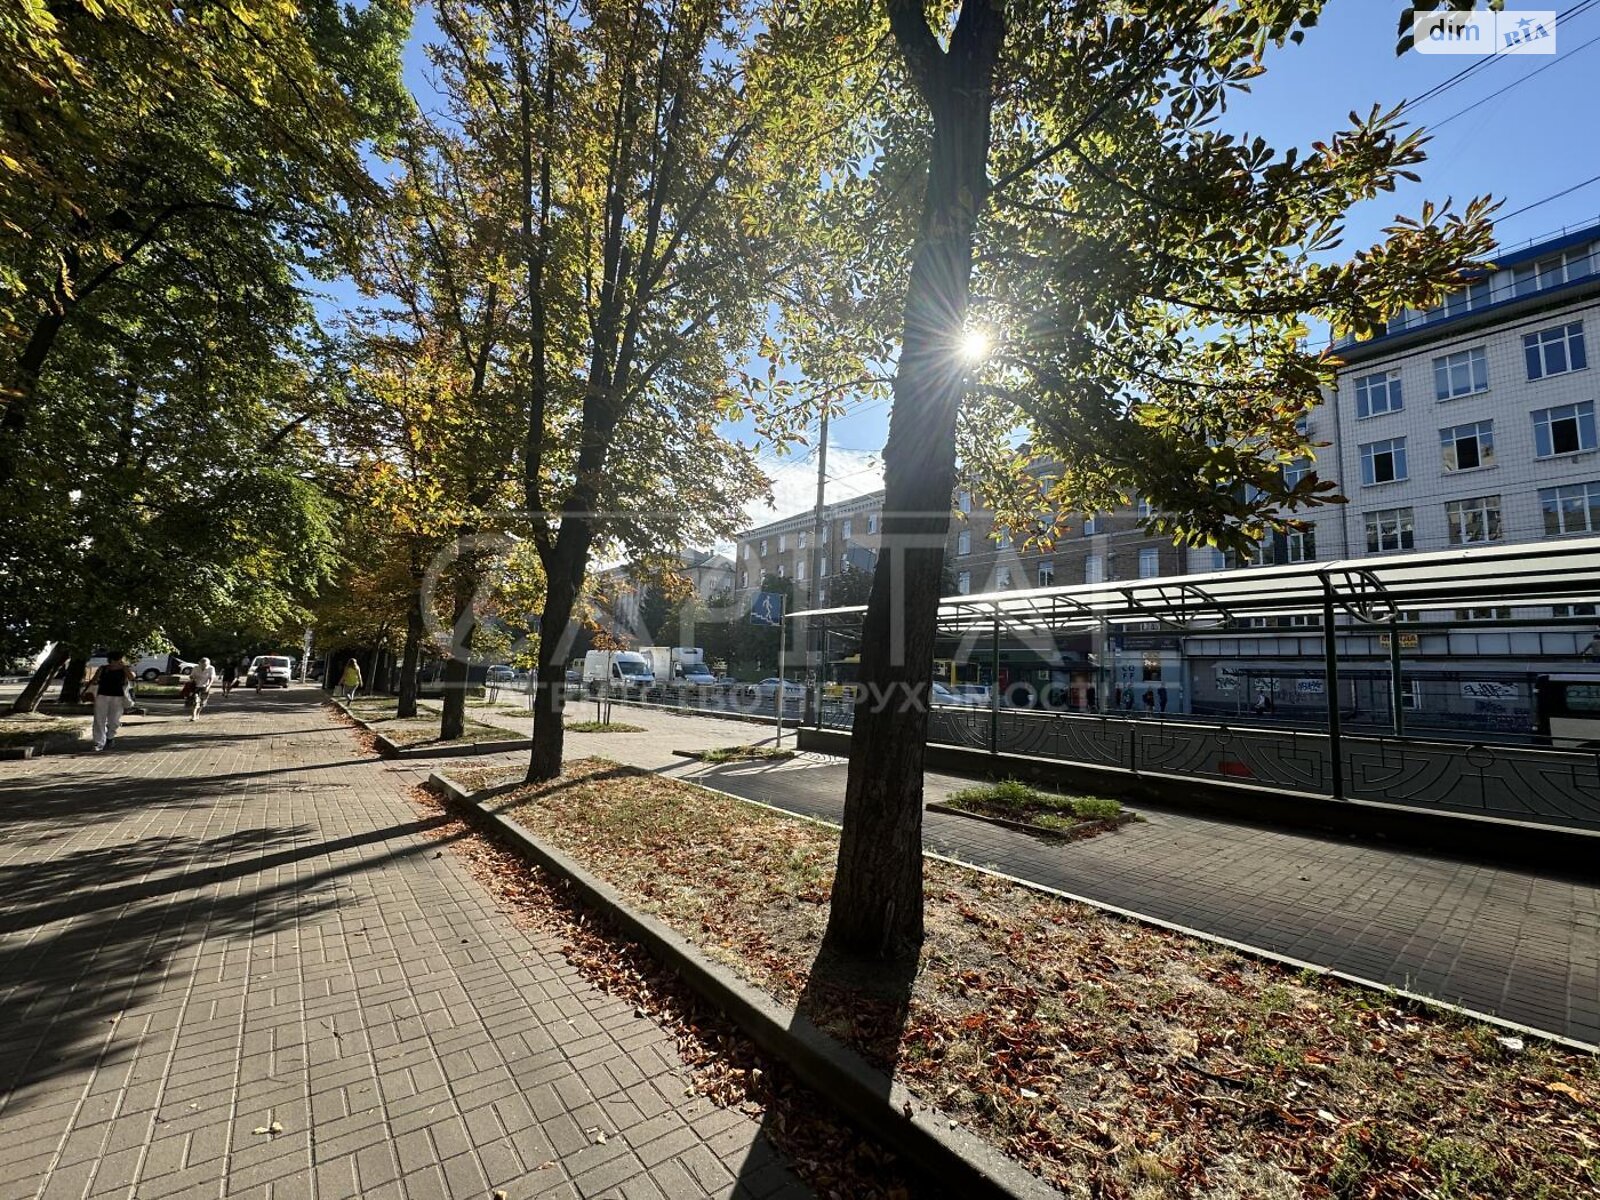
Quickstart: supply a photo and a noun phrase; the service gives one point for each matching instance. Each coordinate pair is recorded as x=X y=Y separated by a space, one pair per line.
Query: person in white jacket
x=201 y=679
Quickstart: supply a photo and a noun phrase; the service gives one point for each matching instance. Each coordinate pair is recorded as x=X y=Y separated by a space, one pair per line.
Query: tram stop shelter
x=1364 y=594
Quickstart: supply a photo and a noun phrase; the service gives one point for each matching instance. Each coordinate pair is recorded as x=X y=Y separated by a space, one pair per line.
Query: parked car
x=767 y=689
x=979 y=692
x=943 y=695
x=499 y=675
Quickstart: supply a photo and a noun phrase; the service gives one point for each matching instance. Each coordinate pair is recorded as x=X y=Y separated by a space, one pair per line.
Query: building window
x=749 y=551
x=802 y=540
x=844 y=562
x=1461 y=374
x=822 y=566
x=1473 y=521
x=1549 y=272
x=744 y=579
x=964 y=542
x=763 y=547
x=1378 y=394
x=1555 y=351
x=844 y=529
x=1296 y=471
x=1219 y=560
x=1574 y=610
x=1094 y=569
x=963 y=583
x=1150 y=563
x=1383 y=462
x=783 y=542
x=1002 y=578
x=1483 y=614
x=964 y=500
x=872 y=522
x=1088 y=525
x=1468 y=447
x=1300 y=545
x=827 y=532
x=1047 y=574
x=1571 y=509
x=800 y=570
x=1565 y=429
x=783 y=571
x=1390 y=529
x=1002 y=541
x=1475 y=295
x=1411 y=694
x=1142 y=508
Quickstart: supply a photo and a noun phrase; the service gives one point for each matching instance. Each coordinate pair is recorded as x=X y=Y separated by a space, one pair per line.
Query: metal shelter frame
x=1376 y=591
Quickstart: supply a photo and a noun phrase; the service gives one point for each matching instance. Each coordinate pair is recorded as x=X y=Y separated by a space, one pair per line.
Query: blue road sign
x=766 y=608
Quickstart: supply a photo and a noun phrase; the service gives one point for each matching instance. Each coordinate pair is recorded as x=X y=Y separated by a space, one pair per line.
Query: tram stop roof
x=1373 y=590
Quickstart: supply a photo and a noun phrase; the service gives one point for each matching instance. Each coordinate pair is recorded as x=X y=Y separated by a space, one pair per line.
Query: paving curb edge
x=950 y=1157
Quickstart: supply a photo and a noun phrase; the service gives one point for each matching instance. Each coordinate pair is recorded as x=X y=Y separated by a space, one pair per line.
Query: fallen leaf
x=1570 y=1092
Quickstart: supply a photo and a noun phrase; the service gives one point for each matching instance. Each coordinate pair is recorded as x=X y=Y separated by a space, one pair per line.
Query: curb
x=18 y=752
x=955 y=1161
x=1078 y=832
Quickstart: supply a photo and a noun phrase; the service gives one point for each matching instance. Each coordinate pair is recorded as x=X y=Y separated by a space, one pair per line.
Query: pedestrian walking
x=230 y=672
x=201 y=678
x=350 y=679
x=108 y=688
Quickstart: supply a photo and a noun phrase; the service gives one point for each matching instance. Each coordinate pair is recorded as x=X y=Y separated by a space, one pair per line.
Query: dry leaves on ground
x=1113 y=1059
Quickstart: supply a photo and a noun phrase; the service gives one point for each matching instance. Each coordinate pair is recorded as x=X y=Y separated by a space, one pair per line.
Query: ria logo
x=1524 y=32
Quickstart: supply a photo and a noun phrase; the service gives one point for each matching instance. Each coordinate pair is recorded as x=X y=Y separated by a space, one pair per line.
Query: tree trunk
x=72 y=681
x=453 y=719
x=563 y=579
x=877 y=899
x=28 y=701
x=24 y=389
x=411 y=656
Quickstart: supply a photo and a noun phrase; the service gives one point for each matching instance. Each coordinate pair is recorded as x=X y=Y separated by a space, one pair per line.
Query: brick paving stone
x=222 y=925
x=1510 y=941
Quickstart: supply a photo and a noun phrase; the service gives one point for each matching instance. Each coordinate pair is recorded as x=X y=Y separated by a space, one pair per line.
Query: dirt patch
x=1113 y=1059
x=1021 y=806
x=50 y=734
x=727 y=754
x=422 y=729
x=603 y=727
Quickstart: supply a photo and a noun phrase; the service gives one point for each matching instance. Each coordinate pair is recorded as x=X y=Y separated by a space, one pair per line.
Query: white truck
x=680 y=670
x=617 y=673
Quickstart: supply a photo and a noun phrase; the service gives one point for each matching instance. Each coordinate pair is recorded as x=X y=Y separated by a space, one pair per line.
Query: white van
x=280 y=670
x=620 y=672
x=148 y=667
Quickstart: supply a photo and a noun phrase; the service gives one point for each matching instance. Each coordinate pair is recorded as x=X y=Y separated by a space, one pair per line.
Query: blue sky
x=1535 y=140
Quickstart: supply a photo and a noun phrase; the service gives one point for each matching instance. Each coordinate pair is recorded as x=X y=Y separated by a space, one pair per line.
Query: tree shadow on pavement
x=864 y=1004
x=70 y=991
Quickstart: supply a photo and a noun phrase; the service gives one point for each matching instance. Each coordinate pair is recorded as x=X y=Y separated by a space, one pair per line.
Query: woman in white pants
x=108 y=685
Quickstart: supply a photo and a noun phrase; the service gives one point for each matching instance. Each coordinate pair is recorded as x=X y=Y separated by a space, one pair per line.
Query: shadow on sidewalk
x=865 y=1005
x=67 y=990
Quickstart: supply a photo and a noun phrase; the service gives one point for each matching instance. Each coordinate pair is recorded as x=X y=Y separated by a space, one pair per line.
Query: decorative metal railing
x=1524 y=783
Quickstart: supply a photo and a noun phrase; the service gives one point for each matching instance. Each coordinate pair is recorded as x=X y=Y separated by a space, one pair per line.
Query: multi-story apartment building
x=619 y=593
x=981 y=557
x=1470 y=423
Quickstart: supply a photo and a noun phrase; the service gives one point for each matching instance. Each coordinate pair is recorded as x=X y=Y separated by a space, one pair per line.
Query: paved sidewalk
x=1513 y=943
x=241 y=926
